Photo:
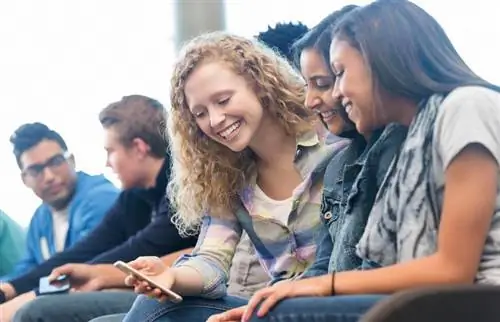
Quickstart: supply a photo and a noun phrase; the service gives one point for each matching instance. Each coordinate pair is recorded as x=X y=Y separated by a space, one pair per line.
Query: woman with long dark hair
x=436 y=218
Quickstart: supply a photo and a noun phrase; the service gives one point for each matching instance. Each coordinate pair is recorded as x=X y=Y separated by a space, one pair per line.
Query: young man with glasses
x=73 y=202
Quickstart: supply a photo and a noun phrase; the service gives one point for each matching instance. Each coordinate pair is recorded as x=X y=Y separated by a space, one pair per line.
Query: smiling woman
x=246 y=157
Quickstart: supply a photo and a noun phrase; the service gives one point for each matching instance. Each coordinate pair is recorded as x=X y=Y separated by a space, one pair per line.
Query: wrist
x=7 y=291
x=110 y=277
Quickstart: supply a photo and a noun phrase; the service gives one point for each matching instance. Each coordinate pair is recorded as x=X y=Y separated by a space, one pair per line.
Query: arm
x=205 y=272
x=108 y=234
x=171 y=258
x=323 y=252
x=470 y=160
x=466 y=218
x=159 y=238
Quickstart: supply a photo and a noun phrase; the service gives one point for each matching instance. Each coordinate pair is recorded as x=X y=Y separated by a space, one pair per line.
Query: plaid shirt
x=284 y=251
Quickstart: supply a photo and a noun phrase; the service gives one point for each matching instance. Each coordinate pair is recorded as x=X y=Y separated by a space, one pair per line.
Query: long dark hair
x=319 y=39
x=408 y=52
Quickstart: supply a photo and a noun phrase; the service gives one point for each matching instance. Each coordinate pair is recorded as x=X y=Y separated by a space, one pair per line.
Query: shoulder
x=474 y=99
x=92 y=189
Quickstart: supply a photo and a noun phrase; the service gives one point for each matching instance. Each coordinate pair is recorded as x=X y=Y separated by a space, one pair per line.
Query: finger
x=157 y=292
x=254 y=302
x=142 y=287
x=61 y=270
x=216 y=318
x=139 y=264
x=231 y=315
x=269 y=303
x=130 y=280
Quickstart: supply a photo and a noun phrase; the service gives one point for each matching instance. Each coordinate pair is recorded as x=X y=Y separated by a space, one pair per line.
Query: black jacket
x=139 y=224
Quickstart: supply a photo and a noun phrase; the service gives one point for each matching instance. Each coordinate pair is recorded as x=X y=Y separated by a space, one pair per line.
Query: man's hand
x=7 y=310
x=87 y=278
x=8 y=290
x=233 y=315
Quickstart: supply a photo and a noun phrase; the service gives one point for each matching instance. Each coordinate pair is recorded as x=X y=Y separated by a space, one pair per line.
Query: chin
x=236 y=147
x=238 y=144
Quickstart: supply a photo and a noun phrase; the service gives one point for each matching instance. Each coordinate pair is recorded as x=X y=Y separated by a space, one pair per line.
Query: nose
x=312 y=101
x=336 y=94
x=48 y=175
x=216 y=118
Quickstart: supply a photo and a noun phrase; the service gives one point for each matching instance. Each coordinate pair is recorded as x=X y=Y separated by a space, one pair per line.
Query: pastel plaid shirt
x=283 y=251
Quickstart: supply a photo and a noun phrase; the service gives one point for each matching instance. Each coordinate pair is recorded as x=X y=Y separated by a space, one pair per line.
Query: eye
x=324 y=83
x=199 y=114
x=339 y=73
x=223 y=101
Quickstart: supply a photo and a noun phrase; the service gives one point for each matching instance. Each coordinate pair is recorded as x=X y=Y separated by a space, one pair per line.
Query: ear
x=71 y=161
x=23 y=178
x=141 y=147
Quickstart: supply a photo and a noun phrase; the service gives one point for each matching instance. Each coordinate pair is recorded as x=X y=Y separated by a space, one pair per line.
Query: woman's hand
x=233 y=315
x=157 y=271
x=269 y=296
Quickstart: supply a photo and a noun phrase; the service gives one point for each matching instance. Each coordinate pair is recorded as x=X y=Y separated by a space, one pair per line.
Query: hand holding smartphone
x=60 y=285
x=127 y=269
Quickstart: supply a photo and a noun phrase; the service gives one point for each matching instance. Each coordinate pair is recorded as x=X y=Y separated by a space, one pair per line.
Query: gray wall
x=193 y=17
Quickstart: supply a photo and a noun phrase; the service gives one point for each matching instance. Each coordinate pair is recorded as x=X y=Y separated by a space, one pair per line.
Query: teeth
x=348 y=108
x=328 y=114
x=227 y=132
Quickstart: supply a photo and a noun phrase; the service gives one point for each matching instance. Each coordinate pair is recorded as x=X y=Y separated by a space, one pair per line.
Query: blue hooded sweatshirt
x=93 y=197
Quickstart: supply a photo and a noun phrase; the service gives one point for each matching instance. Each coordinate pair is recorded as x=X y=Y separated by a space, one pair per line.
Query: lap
x=191 y=309
x=75 y=307
x=110 y=318
x=315 y=309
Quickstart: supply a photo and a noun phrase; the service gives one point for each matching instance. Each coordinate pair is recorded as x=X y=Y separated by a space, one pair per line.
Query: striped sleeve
x=213 y=254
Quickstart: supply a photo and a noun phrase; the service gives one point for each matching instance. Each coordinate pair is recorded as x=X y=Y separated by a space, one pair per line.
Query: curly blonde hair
x=207 y=175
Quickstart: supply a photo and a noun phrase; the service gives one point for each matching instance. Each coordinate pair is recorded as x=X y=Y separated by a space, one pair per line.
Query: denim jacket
x=352 y=179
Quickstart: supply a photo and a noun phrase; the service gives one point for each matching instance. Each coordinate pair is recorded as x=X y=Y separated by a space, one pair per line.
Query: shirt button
x=327 y=215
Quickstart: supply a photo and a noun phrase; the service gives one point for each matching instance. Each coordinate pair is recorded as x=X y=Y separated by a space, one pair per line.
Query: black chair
x=471 y=303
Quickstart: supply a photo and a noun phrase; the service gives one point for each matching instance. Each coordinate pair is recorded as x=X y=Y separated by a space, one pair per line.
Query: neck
x=154 y=166
x=403 y=111
x=272 y=145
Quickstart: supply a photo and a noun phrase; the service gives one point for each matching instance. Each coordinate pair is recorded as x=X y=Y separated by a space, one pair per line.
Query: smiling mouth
x=229 y=132
x=348 y=108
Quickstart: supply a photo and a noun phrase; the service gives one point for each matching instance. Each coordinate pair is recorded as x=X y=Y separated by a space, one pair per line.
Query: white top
x=270 y=208
x=60 y=226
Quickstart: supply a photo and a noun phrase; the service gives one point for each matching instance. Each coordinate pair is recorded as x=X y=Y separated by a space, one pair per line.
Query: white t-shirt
x=60 y=226
x=270 y=208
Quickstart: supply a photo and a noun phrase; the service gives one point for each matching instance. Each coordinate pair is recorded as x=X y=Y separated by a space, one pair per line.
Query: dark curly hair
x=31 y=134
x=282 y=36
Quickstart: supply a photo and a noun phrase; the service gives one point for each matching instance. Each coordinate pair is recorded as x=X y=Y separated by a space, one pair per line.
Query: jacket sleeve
x=159 y=238
x=213 y=254
x=108 y=234
x=29 y=259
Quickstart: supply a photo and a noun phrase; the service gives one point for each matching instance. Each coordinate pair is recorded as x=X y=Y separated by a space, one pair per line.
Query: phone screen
x=60 y=285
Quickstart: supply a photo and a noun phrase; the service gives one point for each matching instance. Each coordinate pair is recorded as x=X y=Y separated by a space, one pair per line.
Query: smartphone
x=60 y=285
x=127 y=269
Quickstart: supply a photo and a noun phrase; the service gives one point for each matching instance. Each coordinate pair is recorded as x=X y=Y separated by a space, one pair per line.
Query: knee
x=32 y=311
